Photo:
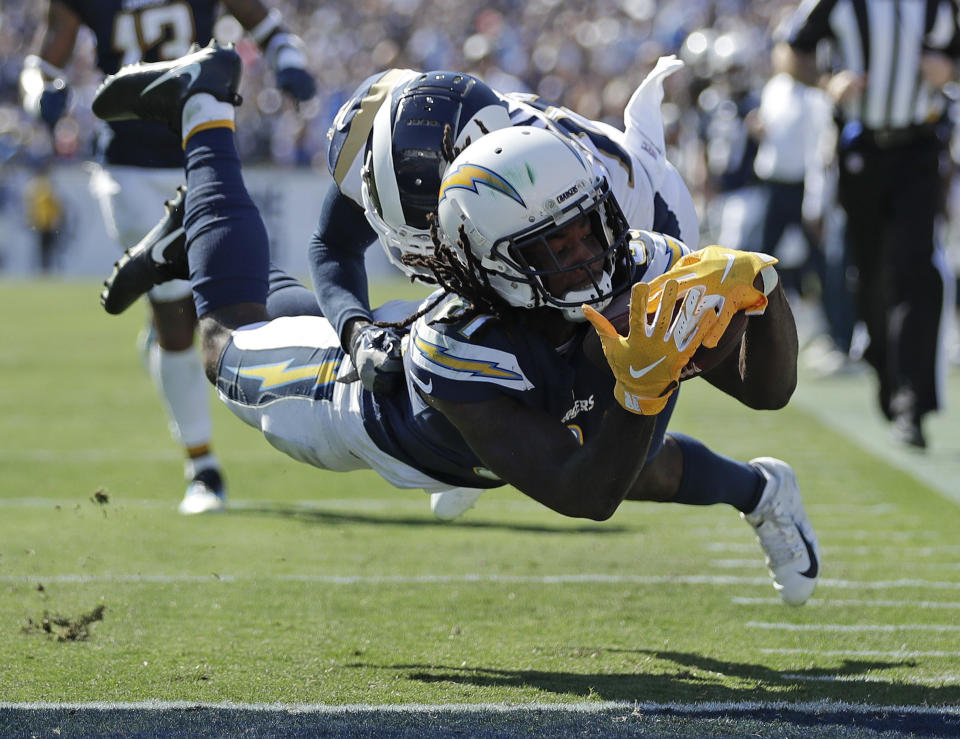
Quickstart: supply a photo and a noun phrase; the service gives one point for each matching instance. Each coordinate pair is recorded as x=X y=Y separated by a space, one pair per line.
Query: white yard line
x=902 y=564
x=814 y=602
x=932 y=681
x=886 y=628
x=896 y=653
x=846 y=549
x=405 y=500
x=812 y=707
x=723 y=534
x=854 y=509
x=559 y=579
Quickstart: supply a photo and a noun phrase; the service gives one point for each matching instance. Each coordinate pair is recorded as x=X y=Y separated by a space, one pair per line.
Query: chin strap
x=576 y=298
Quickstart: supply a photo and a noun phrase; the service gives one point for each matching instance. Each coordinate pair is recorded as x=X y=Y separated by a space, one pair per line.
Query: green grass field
x=330 y=590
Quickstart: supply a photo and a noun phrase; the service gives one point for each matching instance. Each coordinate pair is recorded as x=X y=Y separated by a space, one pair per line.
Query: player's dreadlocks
x=451 y=152
x=469 y=281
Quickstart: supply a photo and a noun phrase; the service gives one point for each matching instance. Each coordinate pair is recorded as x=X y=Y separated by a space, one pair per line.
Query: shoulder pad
x=654 y=253
x=446 y=352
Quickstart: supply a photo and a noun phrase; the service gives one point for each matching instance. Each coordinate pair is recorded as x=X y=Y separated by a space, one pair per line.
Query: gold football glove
x=727 y=276
x=646 y=363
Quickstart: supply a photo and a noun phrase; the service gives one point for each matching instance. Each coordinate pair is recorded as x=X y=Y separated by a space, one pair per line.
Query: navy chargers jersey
x=129 y=31
x=470 y=359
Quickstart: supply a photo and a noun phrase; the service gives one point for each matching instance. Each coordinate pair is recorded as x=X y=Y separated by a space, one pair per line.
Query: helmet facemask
x=531 y=215
x=404 y=245
x=532 y=258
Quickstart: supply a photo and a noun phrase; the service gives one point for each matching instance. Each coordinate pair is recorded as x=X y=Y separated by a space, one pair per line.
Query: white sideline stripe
x=733 y=564
x=810 y=707
x=848 y=603
x=98 y=456
x=848 y=406
x=73 y=456
x=861 y=653
x=932 y=681
x=559 y=579
x=411 y=579
x=405 y=500
x=887 y=535
x=888 y=628
x=120 y=501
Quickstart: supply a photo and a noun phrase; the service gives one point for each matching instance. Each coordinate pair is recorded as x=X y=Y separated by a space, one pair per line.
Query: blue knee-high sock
x=710 y=478
x=229 y=252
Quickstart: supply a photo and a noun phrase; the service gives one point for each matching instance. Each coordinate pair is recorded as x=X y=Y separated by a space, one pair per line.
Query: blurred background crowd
x=588 y=56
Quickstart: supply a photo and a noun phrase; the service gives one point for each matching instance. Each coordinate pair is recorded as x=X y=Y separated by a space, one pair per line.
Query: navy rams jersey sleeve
x=150 y=31
x=336 y=260
x=337 y=265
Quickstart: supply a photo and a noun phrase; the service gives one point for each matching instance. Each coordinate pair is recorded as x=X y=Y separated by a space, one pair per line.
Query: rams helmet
x=405 y=158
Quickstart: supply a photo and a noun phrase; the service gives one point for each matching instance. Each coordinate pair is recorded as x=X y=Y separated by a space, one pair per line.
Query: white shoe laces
x=779 y=536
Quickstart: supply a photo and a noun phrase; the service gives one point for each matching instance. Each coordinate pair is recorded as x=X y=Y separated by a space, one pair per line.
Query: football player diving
x=501 y=386
x=392 y=140
x=389 y=145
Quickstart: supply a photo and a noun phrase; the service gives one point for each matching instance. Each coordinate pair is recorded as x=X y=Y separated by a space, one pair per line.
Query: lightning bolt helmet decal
x=468 y=176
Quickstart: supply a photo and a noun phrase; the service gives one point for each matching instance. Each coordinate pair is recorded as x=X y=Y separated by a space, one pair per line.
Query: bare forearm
x=595 y=480
x=764 y=374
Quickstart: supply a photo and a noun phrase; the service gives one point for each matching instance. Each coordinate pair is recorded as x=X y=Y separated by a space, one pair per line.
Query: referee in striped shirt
x=888 y=62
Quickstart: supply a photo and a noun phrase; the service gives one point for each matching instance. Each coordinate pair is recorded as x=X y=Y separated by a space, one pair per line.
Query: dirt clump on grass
x=64 y=628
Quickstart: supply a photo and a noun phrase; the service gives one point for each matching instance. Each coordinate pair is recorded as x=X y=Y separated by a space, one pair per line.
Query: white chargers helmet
x=513 y=189
x=405 y=158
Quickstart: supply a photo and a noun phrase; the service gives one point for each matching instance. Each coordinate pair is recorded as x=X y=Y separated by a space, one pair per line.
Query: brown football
x=704 y=359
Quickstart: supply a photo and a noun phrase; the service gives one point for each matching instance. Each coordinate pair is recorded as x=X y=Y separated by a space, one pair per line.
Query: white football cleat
x=785 y=532
x=451 y=504
x=205 y=494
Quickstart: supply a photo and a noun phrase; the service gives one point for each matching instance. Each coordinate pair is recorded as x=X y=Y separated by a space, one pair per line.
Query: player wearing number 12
x=140 y=165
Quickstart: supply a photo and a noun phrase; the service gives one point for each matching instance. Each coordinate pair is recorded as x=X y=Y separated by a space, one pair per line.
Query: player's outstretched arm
x=336 y=261
x=763 y=374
